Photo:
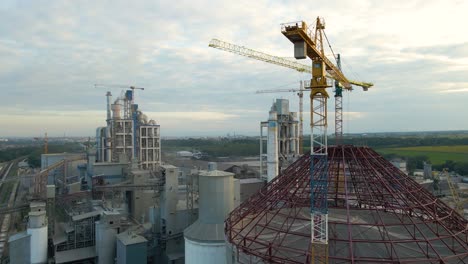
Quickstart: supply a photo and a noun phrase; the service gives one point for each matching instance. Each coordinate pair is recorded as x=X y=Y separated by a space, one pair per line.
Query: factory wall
x=38 y=244
x=105 y=243
x=131 y=254
x=20 y=248
x=50 y=159
x=113 y=172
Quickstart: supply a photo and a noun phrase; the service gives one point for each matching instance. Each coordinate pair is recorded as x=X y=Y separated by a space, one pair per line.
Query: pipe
x=272 y=145
x=108 y=129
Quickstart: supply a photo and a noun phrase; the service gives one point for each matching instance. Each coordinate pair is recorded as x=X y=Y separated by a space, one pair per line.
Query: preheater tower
x=204 y=239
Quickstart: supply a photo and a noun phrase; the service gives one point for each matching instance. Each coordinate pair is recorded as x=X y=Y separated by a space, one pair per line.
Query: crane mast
x=338 y=107
x=308 y=44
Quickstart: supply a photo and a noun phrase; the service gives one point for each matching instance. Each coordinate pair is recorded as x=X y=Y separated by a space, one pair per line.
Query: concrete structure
x=37 y=229
x=131 y=248
x=128 y=135
x=52 y=158
x=75 y=239
x=282 y=140
x=20 y=248
x=204 y=240
x=400 y=164
x=106 y=230
x=427 y=171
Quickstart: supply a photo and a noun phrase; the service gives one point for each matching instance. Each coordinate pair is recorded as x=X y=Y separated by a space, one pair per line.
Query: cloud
x=54 y=51
x=452 y=51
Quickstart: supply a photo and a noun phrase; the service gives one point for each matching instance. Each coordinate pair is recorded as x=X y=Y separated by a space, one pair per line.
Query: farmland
x=436 y=154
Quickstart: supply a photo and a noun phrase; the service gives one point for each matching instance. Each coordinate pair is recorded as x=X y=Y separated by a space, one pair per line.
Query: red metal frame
x=377 y=215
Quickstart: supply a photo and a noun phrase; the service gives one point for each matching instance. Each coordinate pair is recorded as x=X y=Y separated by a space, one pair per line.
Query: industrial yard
x=255 y=157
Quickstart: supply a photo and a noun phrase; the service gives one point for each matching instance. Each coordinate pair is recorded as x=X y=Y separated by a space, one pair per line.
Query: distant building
x=427 y=171
x=282 y=140
x=184 y=154
x=128 y=135
x=400 y=164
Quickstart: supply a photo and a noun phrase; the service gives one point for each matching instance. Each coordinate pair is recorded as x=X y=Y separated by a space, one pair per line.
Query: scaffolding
x=377 y=214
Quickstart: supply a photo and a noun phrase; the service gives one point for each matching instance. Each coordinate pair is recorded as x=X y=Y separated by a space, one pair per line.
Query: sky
x=53 y=52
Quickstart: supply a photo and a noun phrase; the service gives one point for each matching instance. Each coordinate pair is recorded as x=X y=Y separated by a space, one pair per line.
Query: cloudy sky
x=53 y=52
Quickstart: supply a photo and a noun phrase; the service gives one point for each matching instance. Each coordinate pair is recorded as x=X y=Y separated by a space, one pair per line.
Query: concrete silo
x=204 y=239
x=37 y=229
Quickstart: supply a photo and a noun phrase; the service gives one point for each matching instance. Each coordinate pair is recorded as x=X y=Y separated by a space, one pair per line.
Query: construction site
x=121 y=202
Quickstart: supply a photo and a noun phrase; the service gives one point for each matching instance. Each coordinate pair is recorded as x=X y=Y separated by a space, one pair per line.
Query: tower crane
x=258 y=55
x=453 y=190
x=308 y=44
x=300 y=94
x=133 y=88
x=322 y=68
x=46 y=142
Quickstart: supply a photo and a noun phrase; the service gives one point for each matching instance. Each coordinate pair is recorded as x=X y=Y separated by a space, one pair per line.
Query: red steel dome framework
x=377 y=214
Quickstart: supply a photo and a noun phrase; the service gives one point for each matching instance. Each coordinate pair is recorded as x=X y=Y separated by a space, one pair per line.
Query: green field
x=436 y=154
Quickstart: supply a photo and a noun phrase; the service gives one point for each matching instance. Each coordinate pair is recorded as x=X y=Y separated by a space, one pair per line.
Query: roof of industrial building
x=18 y=236
x=215 y=173
x=75 y=254
x=130 y=238
x=204 y=232
x=251 y=180
x=85 y=215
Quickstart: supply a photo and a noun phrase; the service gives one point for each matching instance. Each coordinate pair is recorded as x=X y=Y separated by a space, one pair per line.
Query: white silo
x=204 y=239
x=272 y=145
x=106 y=231
x=37 y=228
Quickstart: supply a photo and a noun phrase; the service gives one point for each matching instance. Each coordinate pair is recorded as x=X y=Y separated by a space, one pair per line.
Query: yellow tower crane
x=310 y=44
x=458 y=201
x=261 y=56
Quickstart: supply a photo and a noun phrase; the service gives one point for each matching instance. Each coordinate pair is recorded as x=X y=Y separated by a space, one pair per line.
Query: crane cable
x=329 y=45
x=336 y=61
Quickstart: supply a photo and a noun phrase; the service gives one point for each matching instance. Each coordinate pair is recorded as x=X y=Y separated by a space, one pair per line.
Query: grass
x=5 y=191
x=436 y=154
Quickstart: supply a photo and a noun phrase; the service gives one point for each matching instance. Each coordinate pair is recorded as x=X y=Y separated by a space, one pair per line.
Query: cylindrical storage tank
x=216 y=196
x=197 y=252
x=105 y=243
x=109 y=100
x=37 y=228
x=116 y=109
x=204 y=239
x=272 y=145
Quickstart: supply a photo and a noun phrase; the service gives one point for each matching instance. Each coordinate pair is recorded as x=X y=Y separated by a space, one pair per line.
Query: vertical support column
x=338 y=108
x=272 y=147
x=301 y=118
x=319 y=176
x=108 y=129
x=261 y=149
